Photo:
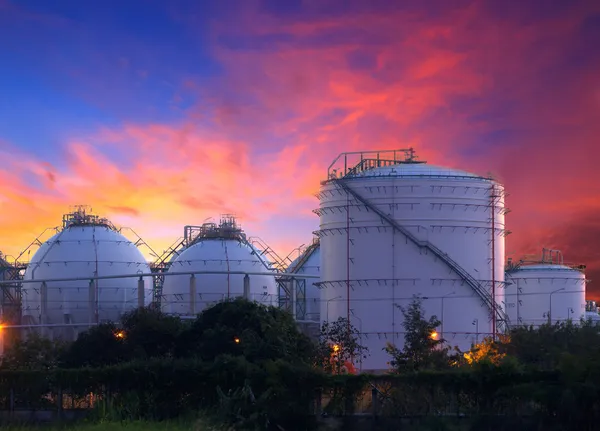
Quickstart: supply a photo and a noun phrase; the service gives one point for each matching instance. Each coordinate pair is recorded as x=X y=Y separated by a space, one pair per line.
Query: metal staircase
x=454 y=266
x=276 y=262
x=304 y=257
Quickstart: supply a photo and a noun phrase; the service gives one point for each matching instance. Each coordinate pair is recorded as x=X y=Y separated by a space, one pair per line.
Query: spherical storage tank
x=309 y=263
x=545 y=290
x=392 y=228
x=225 y=250
x=87 y=246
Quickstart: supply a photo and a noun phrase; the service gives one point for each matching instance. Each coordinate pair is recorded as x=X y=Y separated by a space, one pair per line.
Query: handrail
x=265 y=249
x=305 y=256
x=409 y=157
x=367 y=164
x=468 y=278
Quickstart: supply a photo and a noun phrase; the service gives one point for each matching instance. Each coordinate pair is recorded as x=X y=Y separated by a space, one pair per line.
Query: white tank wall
x=528 y=294
x=451 y=209
x=82 y=252
x=312 y=266
x=216 y=255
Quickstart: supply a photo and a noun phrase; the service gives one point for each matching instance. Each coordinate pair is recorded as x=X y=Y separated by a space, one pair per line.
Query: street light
x=550 y=310
x=332 y=299
x=442 y=328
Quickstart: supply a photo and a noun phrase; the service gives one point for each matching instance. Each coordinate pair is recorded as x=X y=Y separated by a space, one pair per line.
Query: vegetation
x=252 y=369
x=339 y=347
x=423 y=349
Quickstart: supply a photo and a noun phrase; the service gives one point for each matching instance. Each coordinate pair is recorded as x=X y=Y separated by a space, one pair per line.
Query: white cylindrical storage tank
x=225 y=250
x=391 y=229
x=85 y=247
x=308 y=263
x=545 y=292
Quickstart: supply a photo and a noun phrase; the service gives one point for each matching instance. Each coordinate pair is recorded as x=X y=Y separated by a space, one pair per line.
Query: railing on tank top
x=468 y=278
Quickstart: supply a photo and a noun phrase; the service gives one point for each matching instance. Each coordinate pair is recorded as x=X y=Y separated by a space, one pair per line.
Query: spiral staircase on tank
x=483 y=294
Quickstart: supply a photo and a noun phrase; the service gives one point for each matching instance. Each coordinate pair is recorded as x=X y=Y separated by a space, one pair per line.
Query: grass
x=121 y=426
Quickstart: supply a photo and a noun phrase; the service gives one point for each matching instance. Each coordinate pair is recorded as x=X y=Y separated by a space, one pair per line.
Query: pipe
x=140 y=292
x=247 y=287
x=152 y=274
x=192 y=294
x=92 y=301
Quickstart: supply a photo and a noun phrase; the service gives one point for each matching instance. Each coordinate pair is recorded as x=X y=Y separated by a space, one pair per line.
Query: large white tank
x=392 y=228
x=222 y=248
x=87 y=246
x=545 y=291
x=309 y=263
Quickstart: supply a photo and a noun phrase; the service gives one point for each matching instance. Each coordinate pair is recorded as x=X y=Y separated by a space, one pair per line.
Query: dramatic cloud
x=244 y=111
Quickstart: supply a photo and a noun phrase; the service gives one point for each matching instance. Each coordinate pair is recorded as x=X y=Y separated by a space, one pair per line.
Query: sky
x=161 y=114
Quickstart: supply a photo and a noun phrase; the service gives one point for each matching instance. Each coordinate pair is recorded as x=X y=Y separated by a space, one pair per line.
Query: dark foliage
x=34 y=353
x=244 y=328
x=99 y=346
x=422 y=347
x=150 y=333
x=339 y=342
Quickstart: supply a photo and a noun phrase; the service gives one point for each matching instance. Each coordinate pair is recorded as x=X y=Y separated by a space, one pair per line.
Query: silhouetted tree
x=104 y=344
x=34 y=353
x=149 y=333
x=245 y=328
x=339 y=343
x=423 y=349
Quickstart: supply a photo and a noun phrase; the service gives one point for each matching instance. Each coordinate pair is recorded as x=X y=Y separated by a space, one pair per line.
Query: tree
x=487 y=351
x=104 y=344
x=423 y=349
x=33 y=353
x=339 y=346
x=544 y=347
x=149 y=333
x=245 y=328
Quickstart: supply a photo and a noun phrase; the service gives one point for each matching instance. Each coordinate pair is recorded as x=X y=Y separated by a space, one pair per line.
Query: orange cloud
x=175 y=176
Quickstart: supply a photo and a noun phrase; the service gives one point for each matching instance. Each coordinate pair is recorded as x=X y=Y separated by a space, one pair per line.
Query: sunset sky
x=164 y=113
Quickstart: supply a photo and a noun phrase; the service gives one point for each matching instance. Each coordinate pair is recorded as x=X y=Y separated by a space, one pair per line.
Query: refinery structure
x=392 y=228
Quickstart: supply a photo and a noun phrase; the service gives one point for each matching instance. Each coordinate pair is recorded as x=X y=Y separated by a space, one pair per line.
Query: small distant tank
x=545 y=290
x=220 y=248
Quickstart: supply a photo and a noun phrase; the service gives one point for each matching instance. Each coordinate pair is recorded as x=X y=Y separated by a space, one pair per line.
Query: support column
x=193 y=295
x=44 y=307
x=247 y=287
x=300 y=298
x=141 y=291
x=92 y=302
x=293 y=299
